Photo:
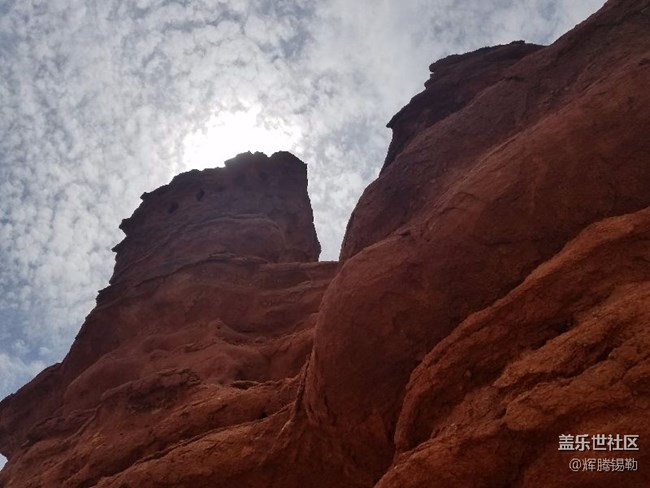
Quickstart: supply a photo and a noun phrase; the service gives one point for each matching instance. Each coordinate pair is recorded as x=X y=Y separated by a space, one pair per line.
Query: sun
x=227 y=134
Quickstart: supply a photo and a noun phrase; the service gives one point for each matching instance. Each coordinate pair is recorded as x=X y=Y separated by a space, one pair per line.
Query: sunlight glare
x=227 y=134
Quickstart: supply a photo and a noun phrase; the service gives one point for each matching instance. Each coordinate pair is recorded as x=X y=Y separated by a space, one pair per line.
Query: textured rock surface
x=567 y=351
x=253 y=200
x=470 y=207
x=493 y=294
x=454 y=82
x=204 y=326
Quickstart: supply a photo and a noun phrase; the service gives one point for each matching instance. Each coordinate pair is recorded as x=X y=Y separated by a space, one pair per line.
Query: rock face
x=207 y=322
x=454 y=82
x=493 y=294
x=220 y=212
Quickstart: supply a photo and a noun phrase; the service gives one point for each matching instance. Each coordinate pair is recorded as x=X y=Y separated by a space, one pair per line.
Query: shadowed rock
x=257 y=206
x=208 y=318
x=493 y=294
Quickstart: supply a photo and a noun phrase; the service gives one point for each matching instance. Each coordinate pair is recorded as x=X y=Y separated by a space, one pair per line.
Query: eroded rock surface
x=493 y=294
x=470 y=207
x=207 y=321
x=254 y=207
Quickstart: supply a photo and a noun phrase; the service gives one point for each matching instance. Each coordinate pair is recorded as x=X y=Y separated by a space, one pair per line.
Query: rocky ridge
x=492 y=294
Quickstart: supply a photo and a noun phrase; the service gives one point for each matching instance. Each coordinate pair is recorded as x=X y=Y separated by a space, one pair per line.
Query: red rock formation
x=454 y=82
x=470 y=207
x=208 y=318
x=565 y=352
x=493 y=295
x=229 y=211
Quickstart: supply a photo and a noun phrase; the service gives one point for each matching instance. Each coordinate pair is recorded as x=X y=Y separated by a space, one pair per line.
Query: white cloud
x=99 y=100
x=13 y=369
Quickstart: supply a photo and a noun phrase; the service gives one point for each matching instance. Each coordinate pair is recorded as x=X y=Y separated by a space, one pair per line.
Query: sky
x=102 y=100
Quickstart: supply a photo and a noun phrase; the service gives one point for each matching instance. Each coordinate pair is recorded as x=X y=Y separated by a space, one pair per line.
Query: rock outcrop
x=493 y=294
x=207 y=322
x=254 y=207
x=454 y=82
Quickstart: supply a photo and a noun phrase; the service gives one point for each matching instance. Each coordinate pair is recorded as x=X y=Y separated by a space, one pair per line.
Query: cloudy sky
x=101 y=100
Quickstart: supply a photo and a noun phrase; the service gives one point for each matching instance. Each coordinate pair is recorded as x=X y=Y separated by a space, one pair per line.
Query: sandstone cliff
x=493 y=293
x=207 y=322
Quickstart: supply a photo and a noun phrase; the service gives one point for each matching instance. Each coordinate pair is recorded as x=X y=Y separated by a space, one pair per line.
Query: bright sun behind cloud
x=227 y=134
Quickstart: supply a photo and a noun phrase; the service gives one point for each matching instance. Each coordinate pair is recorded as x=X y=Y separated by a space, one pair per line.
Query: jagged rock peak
x=454 y=82
x=255 y=206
